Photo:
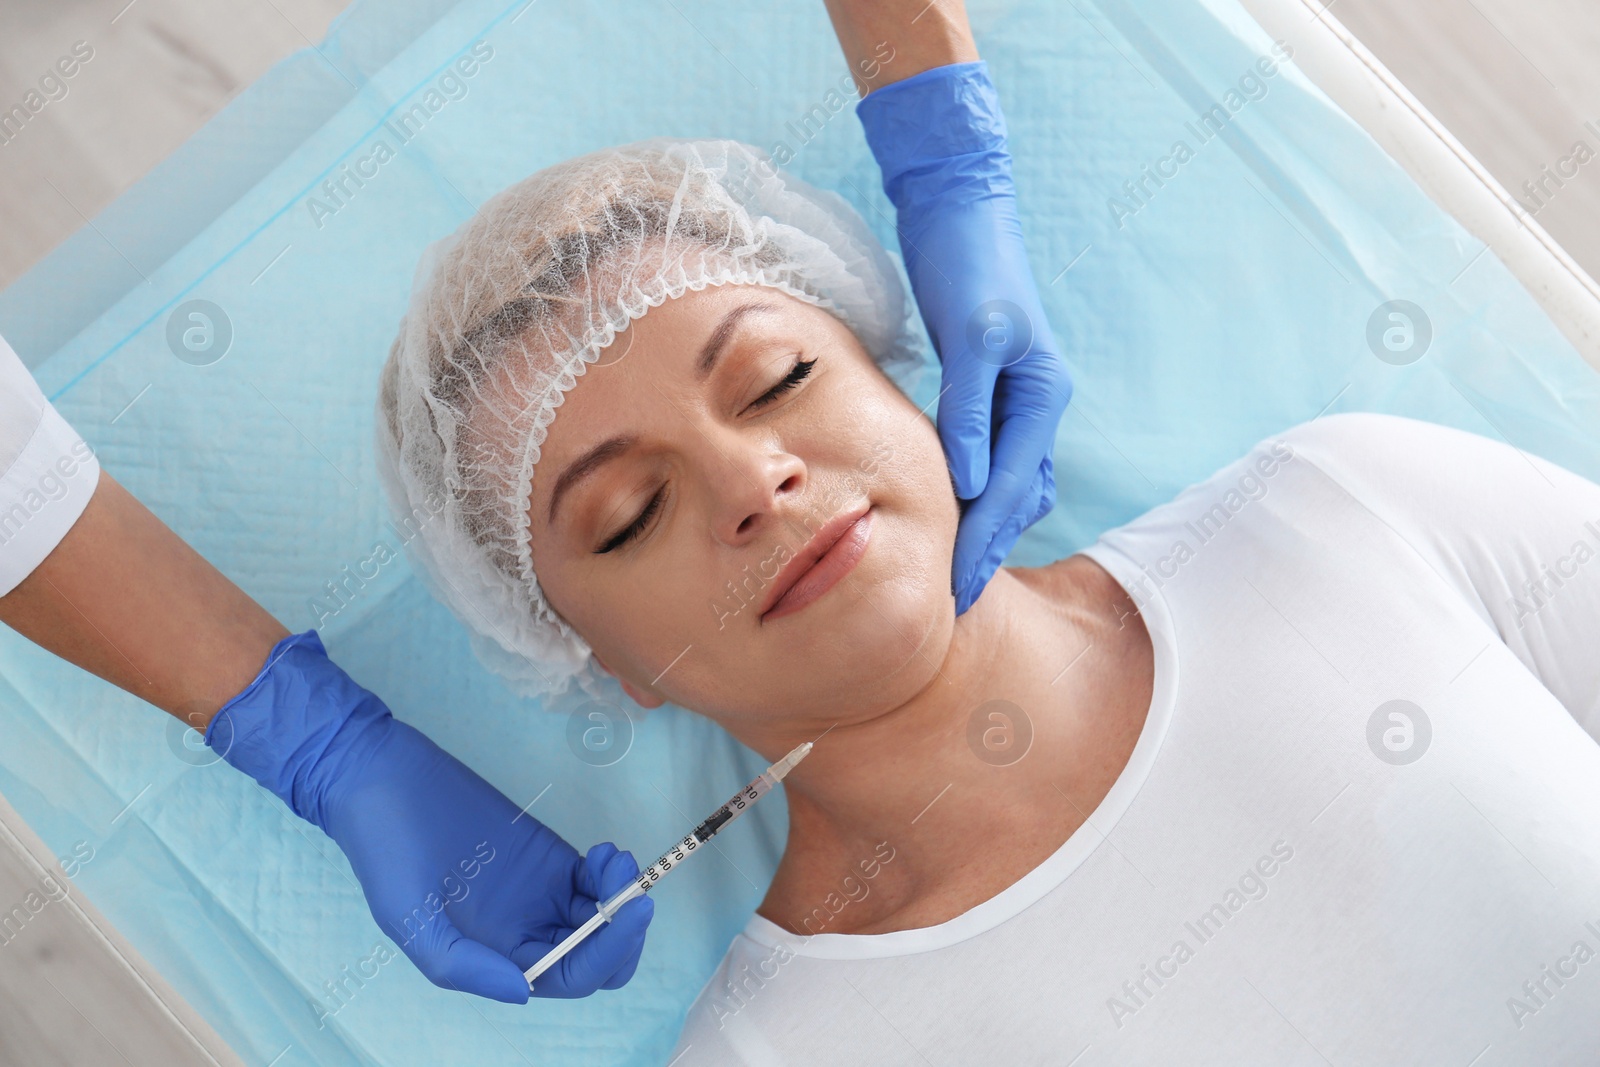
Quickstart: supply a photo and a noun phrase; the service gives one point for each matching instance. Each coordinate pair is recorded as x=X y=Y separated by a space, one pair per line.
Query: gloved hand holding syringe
x=736 y=806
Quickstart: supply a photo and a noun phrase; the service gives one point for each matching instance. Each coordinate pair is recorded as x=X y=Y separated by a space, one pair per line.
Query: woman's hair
x=508 y=312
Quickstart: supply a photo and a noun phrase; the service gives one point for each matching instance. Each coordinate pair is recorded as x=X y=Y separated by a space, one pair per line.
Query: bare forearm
x=886 y=41
x=125 y=598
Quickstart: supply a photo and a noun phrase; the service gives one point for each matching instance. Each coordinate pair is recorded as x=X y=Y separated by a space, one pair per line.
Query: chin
x=865 y=632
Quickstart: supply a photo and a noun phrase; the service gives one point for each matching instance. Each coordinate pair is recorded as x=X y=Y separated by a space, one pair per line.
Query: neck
x=991 y=759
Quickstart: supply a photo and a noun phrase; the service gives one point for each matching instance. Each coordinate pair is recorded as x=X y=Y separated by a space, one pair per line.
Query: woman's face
x=663 y=551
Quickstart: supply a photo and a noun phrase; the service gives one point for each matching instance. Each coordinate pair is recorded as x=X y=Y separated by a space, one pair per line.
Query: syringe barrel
x=736 y=806
x=669 y=859
x=647 y=879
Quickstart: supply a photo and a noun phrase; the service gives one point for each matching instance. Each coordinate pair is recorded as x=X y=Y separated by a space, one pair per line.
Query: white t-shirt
x=47 y=473
x=1293 y=868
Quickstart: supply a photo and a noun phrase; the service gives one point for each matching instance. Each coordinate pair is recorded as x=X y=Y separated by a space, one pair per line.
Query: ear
x=639 y=696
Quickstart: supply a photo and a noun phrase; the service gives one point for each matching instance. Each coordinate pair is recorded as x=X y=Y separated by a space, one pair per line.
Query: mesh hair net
x=507 y=313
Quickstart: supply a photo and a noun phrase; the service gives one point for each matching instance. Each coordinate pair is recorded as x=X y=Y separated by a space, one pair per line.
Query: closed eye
x=635 y=527
x=802 y=367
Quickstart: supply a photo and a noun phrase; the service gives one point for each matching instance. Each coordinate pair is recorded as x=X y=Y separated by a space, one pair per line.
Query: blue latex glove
x=940 y=140
x=471 y=889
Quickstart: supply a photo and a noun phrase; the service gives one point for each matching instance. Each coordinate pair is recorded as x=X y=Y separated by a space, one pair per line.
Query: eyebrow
x=719 y=337
x=587 y=464
x=612 y=447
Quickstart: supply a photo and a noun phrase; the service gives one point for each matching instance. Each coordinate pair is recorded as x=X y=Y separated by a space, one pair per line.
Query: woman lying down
x=1290 y=770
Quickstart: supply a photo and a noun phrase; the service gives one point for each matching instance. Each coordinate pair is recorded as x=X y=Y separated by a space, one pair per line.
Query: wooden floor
x=1516 y=81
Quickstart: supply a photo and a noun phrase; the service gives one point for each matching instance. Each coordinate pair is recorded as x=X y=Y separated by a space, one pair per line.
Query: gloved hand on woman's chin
x=471 y=888
x=940 y=139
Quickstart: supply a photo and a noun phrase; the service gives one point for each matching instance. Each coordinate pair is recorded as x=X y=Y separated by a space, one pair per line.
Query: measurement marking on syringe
x=736 y=806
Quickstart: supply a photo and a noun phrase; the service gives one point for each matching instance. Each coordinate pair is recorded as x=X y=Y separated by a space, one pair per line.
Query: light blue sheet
x=1233 y=303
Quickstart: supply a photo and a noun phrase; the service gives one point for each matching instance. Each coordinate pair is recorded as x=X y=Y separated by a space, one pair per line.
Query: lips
x=831 y=554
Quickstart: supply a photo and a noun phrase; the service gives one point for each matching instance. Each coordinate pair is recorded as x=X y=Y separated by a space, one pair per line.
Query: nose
x=755 y=483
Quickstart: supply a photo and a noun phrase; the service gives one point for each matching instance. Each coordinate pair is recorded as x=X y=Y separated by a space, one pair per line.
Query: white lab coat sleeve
x=47 y=473
x=1516 y=535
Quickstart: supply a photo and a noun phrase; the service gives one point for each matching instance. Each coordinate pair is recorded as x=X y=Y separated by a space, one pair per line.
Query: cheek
x=895 y=456
x=903 y=457
x=922 y=481
x=873 y=425
x=608 y=618
x=637 y=615
x=571 y=589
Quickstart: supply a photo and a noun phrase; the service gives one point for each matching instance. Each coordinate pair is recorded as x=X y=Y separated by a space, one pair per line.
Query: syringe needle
x=736 y=806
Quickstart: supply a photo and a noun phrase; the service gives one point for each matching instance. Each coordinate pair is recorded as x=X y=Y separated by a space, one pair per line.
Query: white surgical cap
x=508 y=312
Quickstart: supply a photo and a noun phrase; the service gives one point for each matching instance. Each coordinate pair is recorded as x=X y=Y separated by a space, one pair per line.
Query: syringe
x=736 y=806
